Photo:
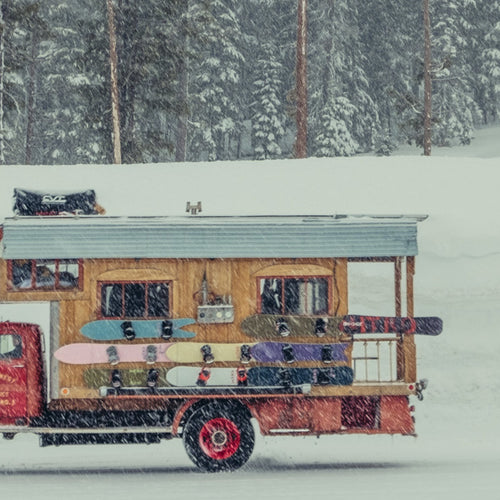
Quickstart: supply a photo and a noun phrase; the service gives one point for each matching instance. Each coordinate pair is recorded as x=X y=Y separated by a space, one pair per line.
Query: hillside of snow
x=457 y=278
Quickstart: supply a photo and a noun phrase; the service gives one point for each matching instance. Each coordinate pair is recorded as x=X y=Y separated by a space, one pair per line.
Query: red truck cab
x=21 y=373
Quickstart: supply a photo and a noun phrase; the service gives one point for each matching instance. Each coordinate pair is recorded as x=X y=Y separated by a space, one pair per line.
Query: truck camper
x=205 y=328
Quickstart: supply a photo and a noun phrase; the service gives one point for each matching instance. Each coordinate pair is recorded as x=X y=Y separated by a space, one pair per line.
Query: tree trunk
x=427 y=81
x=182 y=91
x=115 y=105
x=2 y=84
x=182 y=117
x=301 y=81
x=30 y=105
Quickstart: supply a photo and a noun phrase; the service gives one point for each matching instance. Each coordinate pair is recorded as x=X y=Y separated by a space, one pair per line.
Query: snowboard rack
x=205 y=391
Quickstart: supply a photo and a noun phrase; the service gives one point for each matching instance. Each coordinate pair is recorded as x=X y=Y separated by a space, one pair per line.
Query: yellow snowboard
x=196 y=352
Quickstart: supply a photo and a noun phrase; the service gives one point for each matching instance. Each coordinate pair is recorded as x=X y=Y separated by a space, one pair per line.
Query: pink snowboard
x=86 y=354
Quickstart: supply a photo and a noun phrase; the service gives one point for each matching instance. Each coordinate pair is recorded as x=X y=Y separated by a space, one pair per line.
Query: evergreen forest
x=206 y=80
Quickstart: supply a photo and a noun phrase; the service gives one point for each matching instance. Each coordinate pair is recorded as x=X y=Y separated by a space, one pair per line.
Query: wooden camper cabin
x=215 y=270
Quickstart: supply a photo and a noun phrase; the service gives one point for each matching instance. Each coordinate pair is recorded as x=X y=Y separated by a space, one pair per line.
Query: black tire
x=219 y=437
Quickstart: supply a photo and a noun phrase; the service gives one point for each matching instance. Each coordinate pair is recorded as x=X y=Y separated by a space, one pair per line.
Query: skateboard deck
x=187 y=376
x=386 y=324
x=264 y=326
x=83 y=354
x=111 y=329
x=100 y=377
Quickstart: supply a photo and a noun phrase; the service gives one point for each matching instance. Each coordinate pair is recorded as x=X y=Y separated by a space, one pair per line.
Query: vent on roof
x=195 y=209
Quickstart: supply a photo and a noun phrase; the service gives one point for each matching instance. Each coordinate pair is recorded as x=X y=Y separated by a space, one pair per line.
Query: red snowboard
x=386 y=324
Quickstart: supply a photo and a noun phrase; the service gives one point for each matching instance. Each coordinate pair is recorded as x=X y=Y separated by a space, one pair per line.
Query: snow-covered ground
x=457 y=453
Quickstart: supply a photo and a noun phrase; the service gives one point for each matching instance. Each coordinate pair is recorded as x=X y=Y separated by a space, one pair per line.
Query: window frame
x=57 y=274
x=102 y=284
x=11 y=348
x=329 y=281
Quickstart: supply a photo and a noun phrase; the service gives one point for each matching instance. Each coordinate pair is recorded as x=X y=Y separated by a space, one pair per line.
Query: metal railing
x=375 y=359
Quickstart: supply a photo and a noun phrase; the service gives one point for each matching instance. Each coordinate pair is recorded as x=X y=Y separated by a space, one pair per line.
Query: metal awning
x=210 y=237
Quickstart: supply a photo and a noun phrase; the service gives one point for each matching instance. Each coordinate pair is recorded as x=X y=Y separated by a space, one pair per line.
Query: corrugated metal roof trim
x=201 y=238
x=210 y=220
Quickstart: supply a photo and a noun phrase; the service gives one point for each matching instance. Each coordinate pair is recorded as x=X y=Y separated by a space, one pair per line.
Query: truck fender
x=180 y=413
x=189 y=407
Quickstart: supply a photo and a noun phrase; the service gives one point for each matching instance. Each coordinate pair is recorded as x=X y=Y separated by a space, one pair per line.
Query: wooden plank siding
x=235 y=277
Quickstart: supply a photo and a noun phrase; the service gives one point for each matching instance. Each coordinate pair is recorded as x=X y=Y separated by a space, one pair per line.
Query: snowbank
x=458 y=278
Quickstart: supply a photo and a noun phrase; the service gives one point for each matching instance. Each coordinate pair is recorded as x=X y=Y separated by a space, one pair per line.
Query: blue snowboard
x=113 y=329
x=270 y=376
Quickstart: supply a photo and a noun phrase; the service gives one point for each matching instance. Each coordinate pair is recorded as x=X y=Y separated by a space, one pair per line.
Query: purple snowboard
x=272 y=352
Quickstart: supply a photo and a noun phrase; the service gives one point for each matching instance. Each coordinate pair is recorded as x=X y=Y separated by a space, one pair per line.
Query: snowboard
x=114 y=329
x=187 y=376
x=335 y=375
x=95 y=378
x=271 y=326
x=385 y=324
x=270 y=352
x=197 y=352
x=86 y=354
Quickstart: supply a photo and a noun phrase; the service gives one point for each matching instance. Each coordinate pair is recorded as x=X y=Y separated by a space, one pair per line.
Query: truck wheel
x=219 y=438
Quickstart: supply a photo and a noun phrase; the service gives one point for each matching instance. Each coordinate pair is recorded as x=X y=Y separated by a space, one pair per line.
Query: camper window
x=44 y=274
x=135 y=300
x=304 y=295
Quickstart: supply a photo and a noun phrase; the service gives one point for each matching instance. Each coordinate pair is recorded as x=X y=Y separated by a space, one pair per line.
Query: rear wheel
x=219 y=437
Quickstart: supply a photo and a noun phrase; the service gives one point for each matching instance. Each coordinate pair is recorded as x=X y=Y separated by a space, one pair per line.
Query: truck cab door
x=13 y=378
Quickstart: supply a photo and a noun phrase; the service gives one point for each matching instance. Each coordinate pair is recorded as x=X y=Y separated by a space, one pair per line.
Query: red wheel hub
x=220 y=438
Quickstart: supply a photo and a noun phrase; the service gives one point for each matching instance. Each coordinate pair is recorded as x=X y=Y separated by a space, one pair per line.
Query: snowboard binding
x=282 y=327
x=128 y=330
x=151 y=354
x=167 y=330
x=112 y=353
x=288 y=354
x=326 y=353
x=320 y=327
x=152 y=380
x=203 y=377
x=116 y=379
x=285 y=377
x=206 y=352
x=242 y=377
x=323 y=376
x=245 y=354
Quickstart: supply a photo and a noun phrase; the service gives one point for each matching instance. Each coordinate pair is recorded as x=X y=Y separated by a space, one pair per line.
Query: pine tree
x=268 y=107
x=269 y=57
x=334 y=137
x=454 y=109
x=483 y=57
x=148 y=49
x=215 y=117
x=74 y=85
x=392 y=44
x=343 y=117
x=17 y=82
x=214 y=79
